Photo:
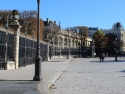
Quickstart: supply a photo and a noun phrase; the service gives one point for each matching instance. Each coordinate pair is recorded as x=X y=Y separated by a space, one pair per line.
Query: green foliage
x=110 y=42
x=99 y=39
x=98 y=32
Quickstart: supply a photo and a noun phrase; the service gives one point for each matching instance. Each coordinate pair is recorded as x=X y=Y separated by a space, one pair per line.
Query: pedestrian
x=100 y=56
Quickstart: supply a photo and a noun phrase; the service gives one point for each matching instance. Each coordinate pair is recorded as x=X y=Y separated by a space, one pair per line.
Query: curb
x=48 y=84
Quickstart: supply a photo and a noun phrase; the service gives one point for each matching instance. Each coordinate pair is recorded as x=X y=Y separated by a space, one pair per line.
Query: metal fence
x=27 y=51
x=2 y=48
x=77 y=52
x=6 y=48
x=43 y=51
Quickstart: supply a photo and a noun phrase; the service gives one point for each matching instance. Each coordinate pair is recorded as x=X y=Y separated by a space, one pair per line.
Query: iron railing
x=2 y=49
x=6 y=48
x=27 y=51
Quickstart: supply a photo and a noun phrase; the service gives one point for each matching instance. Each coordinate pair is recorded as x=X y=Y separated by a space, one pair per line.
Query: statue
x=15 y=14
x=15 y=24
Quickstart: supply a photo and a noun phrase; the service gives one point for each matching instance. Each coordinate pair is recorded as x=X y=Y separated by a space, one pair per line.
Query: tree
x=100 y=40
x=50 y=32
x=110 y=43
x=111 y=38
x=4 y=16
x=27 y=19
x=98 y=32
x=83 y=30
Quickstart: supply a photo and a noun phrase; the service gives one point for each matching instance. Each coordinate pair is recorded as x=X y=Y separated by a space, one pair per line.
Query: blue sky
x=91 y=13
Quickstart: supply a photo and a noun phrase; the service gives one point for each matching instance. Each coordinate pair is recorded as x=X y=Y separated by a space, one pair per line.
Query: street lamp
x=82 y=45
x=38 y=58
x=68 y=29
x=115 y=49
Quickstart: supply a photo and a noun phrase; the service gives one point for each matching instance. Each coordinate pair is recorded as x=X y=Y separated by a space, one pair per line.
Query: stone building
x=118 y=30
x=67 y=39
x=91 y=31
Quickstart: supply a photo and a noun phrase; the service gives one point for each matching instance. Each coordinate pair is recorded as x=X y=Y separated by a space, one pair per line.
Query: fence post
x=16 y=27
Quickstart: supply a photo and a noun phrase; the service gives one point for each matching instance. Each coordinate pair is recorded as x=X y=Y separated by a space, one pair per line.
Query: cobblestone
x=89 y=76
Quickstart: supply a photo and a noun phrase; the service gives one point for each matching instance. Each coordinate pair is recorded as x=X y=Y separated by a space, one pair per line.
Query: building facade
x=91 y=31
x=67 y=40
x=118 y=30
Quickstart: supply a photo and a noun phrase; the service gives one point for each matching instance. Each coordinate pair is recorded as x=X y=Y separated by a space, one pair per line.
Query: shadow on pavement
x=122 y=71
x=15 y=80
x=107 y=61
x=55 y=61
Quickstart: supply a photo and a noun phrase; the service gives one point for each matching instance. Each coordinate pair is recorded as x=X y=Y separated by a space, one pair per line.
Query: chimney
x=54 y=22
x=47 y=21
x=59 y=24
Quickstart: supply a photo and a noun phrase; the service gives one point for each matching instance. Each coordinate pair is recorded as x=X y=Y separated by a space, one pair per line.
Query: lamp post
x=38 y=76
x=116 y=49
x=68 y=29
x=82 y=46
x=93 y=48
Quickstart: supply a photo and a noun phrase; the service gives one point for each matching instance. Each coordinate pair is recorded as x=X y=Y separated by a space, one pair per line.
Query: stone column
x=16 y=27
x=16 y=46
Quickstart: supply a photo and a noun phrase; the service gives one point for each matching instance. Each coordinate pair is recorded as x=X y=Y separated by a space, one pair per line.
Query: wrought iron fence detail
x=22 y=52
x=27 y=51
x=2 y=49
x=10 y=39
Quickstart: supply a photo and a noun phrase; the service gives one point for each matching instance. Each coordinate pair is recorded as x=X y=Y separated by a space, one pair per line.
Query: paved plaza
x=67 y=76
x=89 y=76
x=20 y=81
